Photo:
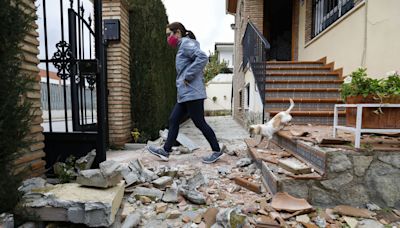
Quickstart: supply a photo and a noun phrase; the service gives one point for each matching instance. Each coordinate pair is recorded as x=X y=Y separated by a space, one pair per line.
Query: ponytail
x=179 y=26
x=190 y=34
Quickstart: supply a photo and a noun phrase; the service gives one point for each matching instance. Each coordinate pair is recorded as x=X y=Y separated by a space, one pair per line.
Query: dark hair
x=175 y=26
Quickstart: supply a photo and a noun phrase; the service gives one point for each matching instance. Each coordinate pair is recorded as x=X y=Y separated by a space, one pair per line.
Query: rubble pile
x=187 y=193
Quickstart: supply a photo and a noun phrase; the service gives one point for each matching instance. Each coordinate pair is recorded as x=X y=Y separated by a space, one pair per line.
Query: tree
x=214 y=67
x=152 y=70
x=14 y=109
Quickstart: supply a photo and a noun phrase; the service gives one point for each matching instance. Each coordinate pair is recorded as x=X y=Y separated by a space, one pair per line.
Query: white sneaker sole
x=159 y=155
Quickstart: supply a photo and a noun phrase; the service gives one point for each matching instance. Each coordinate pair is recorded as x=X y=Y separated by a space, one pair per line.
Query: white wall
x=255 y=99
x=253 y=112
x=227 y=56
x=222 y=91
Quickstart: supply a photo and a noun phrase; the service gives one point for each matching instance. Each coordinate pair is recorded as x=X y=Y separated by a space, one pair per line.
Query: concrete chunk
x=95 y=178
x=132 y=220
x=33 y=183
x=74 y=203
x=86 y=162
x=7 y=220
x=162 y=182
x=152 y=193
x=129 y=175
x=110 y=168
x=170 y=195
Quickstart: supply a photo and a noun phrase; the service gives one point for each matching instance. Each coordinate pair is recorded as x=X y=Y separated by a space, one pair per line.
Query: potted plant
x=359 y=88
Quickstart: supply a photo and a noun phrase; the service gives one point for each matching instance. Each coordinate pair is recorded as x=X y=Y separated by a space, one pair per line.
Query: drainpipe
x=364 y=55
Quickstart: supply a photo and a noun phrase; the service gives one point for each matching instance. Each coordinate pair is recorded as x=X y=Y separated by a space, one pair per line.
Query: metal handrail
x=255 y=47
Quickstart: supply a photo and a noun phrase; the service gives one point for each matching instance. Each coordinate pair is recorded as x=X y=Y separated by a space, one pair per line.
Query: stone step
x=275 y=178
x=309 y=113
x=298 y=70
x=302 y=92
x=302 y=76
x=312 y=117
x=300 y=106
x=304 y=64
x=303 y=83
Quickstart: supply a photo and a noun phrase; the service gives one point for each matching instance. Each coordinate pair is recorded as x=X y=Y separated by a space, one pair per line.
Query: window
x=240 y=99
x=248 y=95
x=325 y=12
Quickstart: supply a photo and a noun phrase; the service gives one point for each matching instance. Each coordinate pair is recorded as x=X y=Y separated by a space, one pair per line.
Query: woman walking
x=191 y=92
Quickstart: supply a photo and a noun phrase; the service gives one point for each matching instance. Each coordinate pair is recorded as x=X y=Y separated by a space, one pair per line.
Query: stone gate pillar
x=118 y=79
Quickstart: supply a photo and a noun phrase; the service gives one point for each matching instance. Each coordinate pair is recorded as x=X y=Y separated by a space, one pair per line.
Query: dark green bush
x=14 y=111
x=152 y=67
x=361 y=84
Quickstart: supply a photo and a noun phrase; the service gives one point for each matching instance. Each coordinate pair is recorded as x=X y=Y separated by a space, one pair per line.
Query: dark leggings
x=195 y=109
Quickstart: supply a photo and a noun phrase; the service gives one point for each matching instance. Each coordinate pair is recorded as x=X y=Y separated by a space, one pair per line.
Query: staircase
x=313 y=86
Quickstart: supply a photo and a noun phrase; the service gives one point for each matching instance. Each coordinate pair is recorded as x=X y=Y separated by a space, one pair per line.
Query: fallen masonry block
x=73 y=203
x=247 y=184
x=197 y=180
x=129 y=176
x=110 y=168
x=31 y=184
x=295 y=166
x=6 y=220
x=152 y=193
x=86 y=162
x=193 y=196
x=162 y=182
x=170 y=195
x=95 y=178
x=132 y=220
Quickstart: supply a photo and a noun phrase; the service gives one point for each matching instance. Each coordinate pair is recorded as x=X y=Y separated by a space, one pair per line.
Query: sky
x=205 y=18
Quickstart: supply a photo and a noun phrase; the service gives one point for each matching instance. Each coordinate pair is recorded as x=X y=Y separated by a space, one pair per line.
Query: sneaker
x=213 y=157
x=158 y=151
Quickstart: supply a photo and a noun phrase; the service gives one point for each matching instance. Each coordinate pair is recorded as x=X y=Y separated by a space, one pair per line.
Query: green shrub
x=214 y=67
x=361 y=84
x=152 y=69
x=14 y=111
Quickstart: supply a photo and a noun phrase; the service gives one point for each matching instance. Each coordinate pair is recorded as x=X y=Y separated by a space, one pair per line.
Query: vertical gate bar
x=90 y=56
x=80 y=57
x=74 y=89
x=83 y=56
x=47 y=65
x=64 y=86
x=101 y=84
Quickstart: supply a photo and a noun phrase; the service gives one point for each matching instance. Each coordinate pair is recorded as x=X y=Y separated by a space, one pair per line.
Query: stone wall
x=118 y=81
x=30 y=161
x=354 y=178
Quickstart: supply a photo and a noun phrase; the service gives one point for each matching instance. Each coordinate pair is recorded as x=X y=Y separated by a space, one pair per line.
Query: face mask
x=172 y=41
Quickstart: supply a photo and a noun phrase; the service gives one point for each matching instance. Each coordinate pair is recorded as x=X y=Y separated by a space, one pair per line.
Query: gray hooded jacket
x=190 y=62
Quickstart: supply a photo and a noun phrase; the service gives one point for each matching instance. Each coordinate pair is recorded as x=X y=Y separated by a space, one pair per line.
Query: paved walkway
x=227 y=130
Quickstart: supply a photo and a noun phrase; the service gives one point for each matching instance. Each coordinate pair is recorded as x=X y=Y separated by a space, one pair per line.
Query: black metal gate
x=73 y=79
